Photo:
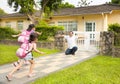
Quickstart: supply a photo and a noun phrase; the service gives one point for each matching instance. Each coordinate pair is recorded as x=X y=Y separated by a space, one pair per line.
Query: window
x=90 y=26
x=69 y=25
x=20 y=25
x=8 y=24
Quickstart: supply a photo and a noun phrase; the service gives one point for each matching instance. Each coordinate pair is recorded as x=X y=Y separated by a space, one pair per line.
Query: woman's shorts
x=29 y=56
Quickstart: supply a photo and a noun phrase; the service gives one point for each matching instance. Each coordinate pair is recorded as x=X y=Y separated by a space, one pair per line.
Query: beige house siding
x=101 y=20
x=114 y=17
x=14 y=22
x=97 y=18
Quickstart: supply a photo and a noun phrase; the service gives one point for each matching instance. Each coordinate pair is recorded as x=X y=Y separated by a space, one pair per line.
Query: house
x=16 y=20
x=87 y=19
x=88 y=22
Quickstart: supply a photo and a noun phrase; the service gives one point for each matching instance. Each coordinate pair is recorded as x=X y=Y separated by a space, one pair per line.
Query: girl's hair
x=30 y=27
x=33 y=37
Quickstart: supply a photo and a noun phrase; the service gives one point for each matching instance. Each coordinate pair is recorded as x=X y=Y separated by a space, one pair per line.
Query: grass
x=7 y=53
x=99 y=70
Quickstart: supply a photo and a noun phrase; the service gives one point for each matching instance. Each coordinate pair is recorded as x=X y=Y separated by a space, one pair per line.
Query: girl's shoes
x=31 y=75
x=8 y=78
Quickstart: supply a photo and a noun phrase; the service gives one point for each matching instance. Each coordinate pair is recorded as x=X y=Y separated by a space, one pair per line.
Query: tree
x=28 y=7
x=82 y=3
x=24 y=6
x=2 y=12
x=48 y=6
x=48 y=13
x=66 y=5
x=115 y=1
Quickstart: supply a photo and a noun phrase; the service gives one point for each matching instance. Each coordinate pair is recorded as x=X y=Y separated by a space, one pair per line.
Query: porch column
x=105 y=22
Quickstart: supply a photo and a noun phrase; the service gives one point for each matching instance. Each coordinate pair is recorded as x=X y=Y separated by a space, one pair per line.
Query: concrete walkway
x=44 y=66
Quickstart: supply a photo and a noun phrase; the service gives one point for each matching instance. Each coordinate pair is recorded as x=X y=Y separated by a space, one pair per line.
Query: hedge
x=6 y=32
x=47 y=32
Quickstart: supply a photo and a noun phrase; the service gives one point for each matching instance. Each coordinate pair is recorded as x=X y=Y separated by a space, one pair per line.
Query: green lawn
x=8 y=53
x=98 y=70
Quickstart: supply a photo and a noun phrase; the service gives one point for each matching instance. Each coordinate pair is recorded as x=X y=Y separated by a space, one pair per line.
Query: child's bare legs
x=31 y=67
x=9 y=76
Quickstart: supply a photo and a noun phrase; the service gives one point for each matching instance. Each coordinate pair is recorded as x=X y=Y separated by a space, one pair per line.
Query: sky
x=7 y=9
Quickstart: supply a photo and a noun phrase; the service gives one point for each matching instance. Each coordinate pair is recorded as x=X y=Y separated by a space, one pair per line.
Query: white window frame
x=20 y=25
x=8 y=24
x=67 y=23
x=92 y=26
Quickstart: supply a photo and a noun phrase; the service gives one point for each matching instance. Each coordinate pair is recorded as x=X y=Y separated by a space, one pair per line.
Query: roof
x=97 y=9
x=13 y=15
x=17 y=15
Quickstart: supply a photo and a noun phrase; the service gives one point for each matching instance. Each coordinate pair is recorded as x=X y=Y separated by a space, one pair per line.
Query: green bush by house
x=48 y=31
x=6 y=32
x=116 y=29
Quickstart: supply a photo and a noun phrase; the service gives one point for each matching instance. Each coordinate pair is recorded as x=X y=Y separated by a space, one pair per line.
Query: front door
x=90 y=27
x=90 y=35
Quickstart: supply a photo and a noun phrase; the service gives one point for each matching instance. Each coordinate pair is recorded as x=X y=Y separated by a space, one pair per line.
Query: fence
x=110 y=44
x=49 y=45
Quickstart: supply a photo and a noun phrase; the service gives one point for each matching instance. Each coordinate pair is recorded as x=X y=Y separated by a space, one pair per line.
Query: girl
x=31 y=29
x=29 y=57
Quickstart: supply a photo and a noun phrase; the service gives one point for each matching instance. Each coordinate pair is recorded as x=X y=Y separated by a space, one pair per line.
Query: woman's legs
x=31 y=66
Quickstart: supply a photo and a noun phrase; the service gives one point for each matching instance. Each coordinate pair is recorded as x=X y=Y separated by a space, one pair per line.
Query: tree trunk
x=32 y=18
x=43 y=7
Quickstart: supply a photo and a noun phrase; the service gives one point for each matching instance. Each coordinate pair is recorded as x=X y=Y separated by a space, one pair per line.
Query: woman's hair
x=33 y=37
x=30 y=27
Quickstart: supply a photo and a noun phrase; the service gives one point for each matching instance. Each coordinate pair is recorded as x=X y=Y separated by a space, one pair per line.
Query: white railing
x=88 y=40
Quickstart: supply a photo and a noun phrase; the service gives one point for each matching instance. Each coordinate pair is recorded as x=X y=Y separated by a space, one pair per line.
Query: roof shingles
x=104 y=8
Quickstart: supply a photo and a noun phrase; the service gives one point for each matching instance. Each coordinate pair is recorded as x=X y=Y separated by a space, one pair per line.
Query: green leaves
x=66 y=5
x=24 y=6
x=115 y=1
x=6 y=32
x=48 y=32
x=2 y=12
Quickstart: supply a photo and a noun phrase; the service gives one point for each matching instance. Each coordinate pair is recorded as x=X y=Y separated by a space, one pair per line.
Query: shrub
x=6 y=32
x=116 y=29
x=48 y=31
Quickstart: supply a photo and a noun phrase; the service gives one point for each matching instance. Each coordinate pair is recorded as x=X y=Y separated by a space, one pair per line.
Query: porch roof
x=97 y=9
